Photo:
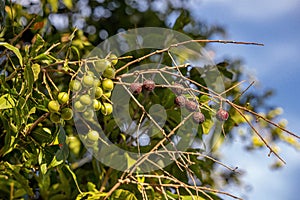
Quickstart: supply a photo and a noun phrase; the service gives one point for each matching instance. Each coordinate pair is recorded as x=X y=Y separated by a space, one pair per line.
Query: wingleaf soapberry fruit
x=136 y=88
x=222 y=115
x=149 y=85
x=92 y=137
x=63 y=97
x=198 y=117
x=66 y=113
x=55 y=118
x=53 y=106
x=107 y=85
x=180 y=101
x=75 y=85
x=191 y=105
x=106 y=109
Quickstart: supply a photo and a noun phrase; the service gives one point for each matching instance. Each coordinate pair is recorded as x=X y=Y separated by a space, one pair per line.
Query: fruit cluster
x=56 y=112
x=136 y=87
x=92 y=92
x=193 y=106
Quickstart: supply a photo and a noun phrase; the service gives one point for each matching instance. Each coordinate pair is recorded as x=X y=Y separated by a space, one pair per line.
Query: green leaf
x=14 y=49
x=29 y=79
x=21 y=179
x=123 y=194
x=207 y=125
x=6 y=102
x=182 y=20
x=73 y=176
x=191 y=198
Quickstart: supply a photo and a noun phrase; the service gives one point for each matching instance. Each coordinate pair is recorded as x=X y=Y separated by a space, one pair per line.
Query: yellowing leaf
x=36 y=69
x=6 y=102
x=14 y=49
x=68 y=3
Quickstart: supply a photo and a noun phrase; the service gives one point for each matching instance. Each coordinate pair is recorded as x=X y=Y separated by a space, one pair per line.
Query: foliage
x=43 y=156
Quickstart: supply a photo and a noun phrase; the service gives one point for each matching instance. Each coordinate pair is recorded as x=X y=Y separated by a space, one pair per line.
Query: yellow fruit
x=63 y=97
x=53 y=106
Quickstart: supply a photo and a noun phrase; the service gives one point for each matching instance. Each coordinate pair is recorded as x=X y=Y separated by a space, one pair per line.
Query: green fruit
x=109 y=73
x=102 y=64
x=107 y=85
x=75 y=85
x=106 y=108
x=97 y=82
x=90 y=73
x=113 y=59
x=96 y=105
x=106 y=95
x=53 y=106
x=92 y=136
x=88 y=81
x=79 y=106
x=88 y=114
x=63 y=97
x=67 y=113
x=98 y=92
x=55 y=118
x=85 y=99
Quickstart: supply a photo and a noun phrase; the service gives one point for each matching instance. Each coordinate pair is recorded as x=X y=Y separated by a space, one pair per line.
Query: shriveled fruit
x=177 y=88
x=88 y=80
x=92 y=137
x=191 y=105
x=55 y=118
x=107 y=85
x=222 y=115
x=109 y=73
x=63 y=97
x=106 y=109
x=75 y=85
x=67 y=113
x=85 y=99
x=149 y=85
x=198 y=117
x=53 y=106
x=180 y=100
x=136 y=88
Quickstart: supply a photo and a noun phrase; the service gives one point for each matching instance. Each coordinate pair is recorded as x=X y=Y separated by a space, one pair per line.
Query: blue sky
x=276 y=65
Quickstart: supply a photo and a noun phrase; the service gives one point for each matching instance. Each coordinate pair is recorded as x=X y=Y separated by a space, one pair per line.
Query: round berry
x=109 y=73
x=102 y=64
x=198 y=117
x=85 y=99
x=177 y=88
x=97 y=82
x=98 y=92
x=88 y=114
x=180 y=101
x=191 y=105
x=88 y=81
x=222 y=115
x=63 y=97
x=75 y=85
x=79 y=106
x=107 y=85
x=106 y=95
x=113 y=59
x=92 y=136
x=106 y=108
x=55 y=118
x=136 y=88
x=53 y=106
x=67 y=113
x=96 y=105
x=149 y=85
